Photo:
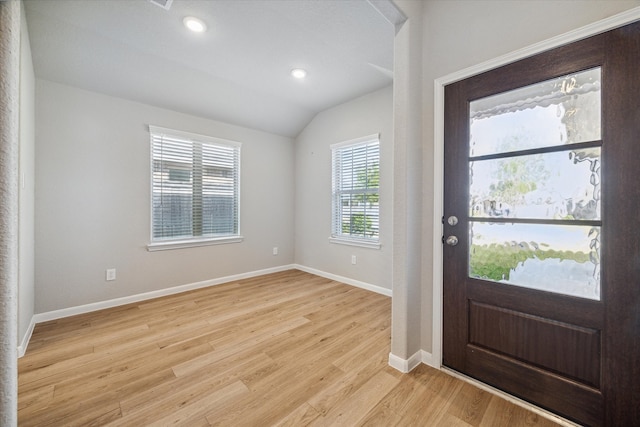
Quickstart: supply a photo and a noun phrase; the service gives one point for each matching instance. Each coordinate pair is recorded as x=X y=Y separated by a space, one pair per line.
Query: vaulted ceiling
x=238 y=71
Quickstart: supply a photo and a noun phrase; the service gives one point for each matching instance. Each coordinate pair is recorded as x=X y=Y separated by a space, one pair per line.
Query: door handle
x=452 y=240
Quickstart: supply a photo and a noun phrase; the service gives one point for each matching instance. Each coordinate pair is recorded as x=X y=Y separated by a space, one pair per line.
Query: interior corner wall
x=459 y=34
x=367 y=115
x=92 y=204
x=26 y=190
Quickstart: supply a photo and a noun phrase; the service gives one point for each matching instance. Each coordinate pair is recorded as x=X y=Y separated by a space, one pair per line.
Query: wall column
x=407 y=189
x=9 y=148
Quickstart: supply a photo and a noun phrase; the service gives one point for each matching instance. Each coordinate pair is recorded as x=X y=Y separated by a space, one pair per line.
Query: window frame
x=158 y=244
x=336 y=236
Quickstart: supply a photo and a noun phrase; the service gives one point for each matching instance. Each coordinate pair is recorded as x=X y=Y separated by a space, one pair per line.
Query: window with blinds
x=195 y=186
x=355 y=189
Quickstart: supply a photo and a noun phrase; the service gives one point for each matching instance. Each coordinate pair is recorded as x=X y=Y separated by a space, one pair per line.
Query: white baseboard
x=428 y=359
x=346 y=280
x=405 y=365
x=87 y=308
x=22 y=348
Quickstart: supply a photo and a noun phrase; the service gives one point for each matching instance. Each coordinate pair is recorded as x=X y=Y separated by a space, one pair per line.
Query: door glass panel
x=560 y=185
x=558 y=258
x=565 y=110
x=523 y=167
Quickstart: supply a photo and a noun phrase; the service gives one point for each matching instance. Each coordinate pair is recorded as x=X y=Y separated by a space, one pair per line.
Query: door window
x=534 y=192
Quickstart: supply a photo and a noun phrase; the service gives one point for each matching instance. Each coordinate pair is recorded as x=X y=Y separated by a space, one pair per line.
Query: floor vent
x=165 y=4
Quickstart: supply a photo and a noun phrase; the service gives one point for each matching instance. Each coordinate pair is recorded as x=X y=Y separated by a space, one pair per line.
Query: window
x=356 y=181
x=195 y=189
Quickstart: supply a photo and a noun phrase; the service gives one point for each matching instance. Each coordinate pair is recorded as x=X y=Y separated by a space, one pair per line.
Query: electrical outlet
x=353 y=259
x=111 y=274
x=275 y=250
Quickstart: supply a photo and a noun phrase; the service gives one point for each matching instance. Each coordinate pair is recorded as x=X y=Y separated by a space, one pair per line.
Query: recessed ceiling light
x=194 y=24
x=299 y=73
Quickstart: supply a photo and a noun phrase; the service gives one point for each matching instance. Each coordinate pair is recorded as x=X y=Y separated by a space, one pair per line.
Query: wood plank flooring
x=285 y=349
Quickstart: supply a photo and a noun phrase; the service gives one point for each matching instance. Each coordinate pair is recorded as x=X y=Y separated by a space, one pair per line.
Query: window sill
x=355 y=242
x=192 y=243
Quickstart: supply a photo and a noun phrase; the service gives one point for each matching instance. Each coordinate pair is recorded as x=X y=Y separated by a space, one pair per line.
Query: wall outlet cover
x=111 y=274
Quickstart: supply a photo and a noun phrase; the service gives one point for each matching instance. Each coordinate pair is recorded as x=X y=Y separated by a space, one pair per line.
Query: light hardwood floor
x=286 y=349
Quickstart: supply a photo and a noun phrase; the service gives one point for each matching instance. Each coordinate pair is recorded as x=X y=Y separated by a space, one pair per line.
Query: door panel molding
x=577 y=310
x=526 y=380
x=575 y=353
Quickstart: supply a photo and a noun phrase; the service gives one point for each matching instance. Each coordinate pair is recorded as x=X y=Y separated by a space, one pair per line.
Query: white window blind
x=355 y=189
x=195 y=186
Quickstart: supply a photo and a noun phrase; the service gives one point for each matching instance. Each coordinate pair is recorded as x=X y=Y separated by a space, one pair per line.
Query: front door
x=542 y=228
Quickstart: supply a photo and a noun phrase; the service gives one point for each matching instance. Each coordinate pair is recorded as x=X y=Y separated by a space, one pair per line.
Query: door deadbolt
x=452 y=220
x=452 y=240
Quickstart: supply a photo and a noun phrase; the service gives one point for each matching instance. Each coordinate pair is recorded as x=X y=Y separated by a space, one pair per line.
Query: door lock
x=451 y=241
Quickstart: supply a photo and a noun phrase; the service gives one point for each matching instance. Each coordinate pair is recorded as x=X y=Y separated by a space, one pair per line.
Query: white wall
x=407 y=189
x=26 y=274
x=93 y=209
x=363 y=116
x=459 y=34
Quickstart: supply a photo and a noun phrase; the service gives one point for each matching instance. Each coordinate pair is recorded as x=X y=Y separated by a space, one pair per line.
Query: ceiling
x=238 y=71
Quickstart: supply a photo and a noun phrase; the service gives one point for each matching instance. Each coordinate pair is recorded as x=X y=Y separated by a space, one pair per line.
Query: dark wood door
x=542 y=259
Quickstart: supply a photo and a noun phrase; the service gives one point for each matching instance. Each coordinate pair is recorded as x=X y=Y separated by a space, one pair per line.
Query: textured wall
x=9 y=131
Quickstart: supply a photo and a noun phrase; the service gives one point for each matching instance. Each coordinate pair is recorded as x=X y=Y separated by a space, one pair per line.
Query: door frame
x=434 y=359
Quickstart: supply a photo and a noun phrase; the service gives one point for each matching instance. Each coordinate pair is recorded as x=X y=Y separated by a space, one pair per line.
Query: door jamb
x=615 y=21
